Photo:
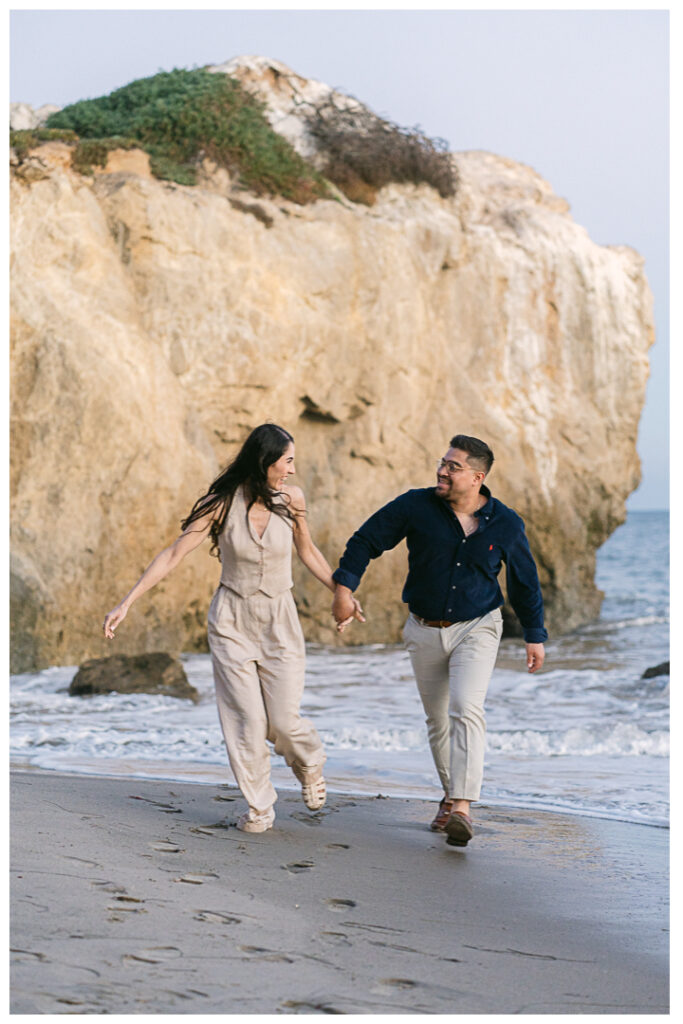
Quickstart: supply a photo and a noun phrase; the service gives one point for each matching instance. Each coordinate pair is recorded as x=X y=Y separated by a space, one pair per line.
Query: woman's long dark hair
x=264 y=446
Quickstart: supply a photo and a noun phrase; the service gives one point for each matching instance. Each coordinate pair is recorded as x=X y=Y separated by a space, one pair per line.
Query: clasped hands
x=345 y=608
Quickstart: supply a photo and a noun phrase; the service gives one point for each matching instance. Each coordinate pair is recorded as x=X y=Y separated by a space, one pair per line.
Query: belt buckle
x=434 y=623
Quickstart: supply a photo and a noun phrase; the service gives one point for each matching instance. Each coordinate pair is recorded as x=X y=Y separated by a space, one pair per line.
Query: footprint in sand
x=337 y=846
x=394 y=983
x=28 y=954
x=197 y=878
x=259 y=953
x=166 y=847
x=82 y=860
x=210 y=830
x=166 y=808
x=226 y=799
x=335 y=939
x=110 y=887
x=189 y=994
x=297 y=1006
x=216 y=917
x=313 y=818
x=340 y=905
x=297 y=866
x=373 y=927
x=118 y=913
x=154 y=955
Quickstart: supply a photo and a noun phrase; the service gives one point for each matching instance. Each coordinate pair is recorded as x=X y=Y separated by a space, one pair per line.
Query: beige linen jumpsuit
x=257 y=649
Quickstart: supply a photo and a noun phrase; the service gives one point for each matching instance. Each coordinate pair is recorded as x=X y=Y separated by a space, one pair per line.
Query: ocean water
x=588 y=735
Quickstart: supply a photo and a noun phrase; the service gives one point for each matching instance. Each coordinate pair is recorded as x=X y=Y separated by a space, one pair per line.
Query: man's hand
x=345 y=607
x=535 y=656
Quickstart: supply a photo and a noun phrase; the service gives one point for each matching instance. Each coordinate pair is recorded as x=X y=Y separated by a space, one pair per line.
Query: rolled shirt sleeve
x=382 y=531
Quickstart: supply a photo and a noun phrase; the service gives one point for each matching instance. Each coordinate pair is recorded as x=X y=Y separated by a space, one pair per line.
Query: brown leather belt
x=437 y=623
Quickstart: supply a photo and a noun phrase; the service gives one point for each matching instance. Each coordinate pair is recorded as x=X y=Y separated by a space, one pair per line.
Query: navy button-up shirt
x=451 y=576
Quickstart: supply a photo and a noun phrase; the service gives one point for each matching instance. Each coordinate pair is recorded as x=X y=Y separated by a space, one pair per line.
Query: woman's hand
x=112 y=619
x=164 y=562
x=356 y=614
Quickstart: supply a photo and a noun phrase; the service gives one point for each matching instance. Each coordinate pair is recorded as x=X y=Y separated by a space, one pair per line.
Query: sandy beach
x=136 y=896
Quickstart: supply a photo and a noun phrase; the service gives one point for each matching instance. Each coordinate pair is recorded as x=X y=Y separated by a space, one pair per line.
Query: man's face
x=455 y=478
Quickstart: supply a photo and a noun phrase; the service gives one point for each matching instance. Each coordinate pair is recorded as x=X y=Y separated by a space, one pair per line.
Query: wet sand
x=134 y=896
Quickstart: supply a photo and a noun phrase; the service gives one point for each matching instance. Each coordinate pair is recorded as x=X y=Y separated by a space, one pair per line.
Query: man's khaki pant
x=257 y=649
x=453 y=669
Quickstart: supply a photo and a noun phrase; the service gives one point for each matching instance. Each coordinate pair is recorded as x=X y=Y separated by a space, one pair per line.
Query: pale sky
x=580 y=96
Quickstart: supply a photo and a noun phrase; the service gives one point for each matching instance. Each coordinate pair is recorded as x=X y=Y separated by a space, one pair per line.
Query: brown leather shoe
x=444 y=813
x=459 y=829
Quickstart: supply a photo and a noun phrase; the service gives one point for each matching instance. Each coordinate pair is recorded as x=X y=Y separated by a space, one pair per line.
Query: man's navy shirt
x=450 y=576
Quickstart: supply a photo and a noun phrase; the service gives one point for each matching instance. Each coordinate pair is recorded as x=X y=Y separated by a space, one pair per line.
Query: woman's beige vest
x=250 y=563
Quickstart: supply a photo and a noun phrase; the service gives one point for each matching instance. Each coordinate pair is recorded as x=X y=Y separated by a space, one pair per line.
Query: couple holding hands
x=457 y=535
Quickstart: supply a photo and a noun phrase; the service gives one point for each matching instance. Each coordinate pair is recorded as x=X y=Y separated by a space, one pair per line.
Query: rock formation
x=23 y=117
x=663 y=669
x=153 y=325
x=157 y=673
x=287 y=98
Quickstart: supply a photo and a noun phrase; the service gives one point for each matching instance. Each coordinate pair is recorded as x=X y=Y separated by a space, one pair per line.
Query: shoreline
x=136 y=895
x=290 y=786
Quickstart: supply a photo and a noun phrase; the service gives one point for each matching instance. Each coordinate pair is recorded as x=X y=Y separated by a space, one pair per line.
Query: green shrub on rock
x=24 y=139
x=93 y=152
x=180 y=116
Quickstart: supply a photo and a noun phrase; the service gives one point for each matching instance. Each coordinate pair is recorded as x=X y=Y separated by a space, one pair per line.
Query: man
x=458 y=536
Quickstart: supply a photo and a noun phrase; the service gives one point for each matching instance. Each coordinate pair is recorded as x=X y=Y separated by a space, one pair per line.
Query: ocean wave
x=605 y=625
x=95 y=743
x=621 y=741
x=364 y=738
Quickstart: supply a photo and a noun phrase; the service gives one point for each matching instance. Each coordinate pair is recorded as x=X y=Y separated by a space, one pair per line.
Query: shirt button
x=452 y=588
x=457 y=563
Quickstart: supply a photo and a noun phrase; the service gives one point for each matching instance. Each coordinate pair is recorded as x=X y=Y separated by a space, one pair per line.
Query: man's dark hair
x=479 y=455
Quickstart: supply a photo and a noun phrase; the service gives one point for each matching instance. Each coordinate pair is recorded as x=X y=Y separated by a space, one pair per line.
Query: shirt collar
x=487 y=509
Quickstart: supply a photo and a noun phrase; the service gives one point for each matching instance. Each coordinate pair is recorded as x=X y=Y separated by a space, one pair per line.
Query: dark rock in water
x=140 y=673
x=656 y=670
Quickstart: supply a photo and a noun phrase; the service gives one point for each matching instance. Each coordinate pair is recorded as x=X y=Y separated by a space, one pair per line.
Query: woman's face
x=277 y=474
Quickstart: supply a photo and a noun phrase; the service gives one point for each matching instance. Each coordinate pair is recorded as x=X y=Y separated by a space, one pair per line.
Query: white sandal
x=314 y=793
x=252 y=821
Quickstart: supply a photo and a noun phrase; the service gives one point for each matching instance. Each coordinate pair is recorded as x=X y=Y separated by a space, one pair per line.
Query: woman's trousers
x=257 y=649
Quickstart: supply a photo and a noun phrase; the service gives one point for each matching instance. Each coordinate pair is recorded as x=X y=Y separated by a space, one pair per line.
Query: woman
x=251 y=515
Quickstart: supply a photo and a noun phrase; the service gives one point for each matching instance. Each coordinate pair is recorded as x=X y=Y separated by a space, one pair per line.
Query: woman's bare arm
x=160 y=567
x=310 y=555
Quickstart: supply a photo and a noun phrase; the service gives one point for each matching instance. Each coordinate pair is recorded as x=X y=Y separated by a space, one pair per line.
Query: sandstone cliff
x=153 y=325
x=23 y=117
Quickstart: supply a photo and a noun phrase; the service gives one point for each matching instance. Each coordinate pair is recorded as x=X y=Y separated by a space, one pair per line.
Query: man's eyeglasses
x=450 y=467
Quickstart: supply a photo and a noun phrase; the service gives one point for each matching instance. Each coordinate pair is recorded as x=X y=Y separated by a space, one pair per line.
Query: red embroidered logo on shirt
x=490 y=547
